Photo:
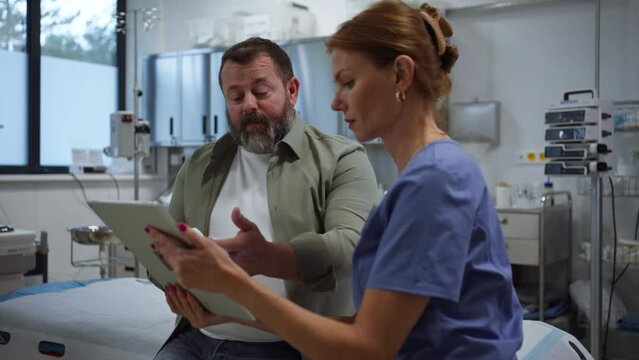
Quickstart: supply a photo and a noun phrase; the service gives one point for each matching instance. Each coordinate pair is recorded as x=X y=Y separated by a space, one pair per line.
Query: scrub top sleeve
x=424 y=246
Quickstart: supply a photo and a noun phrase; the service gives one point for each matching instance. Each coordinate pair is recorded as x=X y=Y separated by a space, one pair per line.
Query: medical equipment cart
x=539 y=247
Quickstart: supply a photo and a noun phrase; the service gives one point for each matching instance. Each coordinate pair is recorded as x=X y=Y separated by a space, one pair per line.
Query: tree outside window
x=70 y=29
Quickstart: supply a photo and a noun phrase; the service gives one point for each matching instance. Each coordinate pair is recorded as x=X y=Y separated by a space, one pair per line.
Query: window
x=13 y=86
x=59 y=65
x=79 y=77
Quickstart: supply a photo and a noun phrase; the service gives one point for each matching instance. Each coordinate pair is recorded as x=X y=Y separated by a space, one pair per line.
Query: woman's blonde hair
x=388 y=29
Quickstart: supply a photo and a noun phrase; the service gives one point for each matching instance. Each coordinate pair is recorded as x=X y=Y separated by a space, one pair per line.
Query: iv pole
x=596 y=223
x=149 y=17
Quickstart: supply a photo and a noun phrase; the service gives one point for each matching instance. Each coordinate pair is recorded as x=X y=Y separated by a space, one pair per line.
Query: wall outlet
x=530 y=156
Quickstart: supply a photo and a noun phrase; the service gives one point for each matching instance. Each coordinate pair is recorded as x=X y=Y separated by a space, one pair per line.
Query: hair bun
x=440 y=30
x=449 y=57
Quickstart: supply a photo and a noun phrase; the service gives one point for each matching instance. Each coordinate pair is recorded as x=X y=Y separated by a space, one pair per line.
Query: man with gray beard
x=286 y=200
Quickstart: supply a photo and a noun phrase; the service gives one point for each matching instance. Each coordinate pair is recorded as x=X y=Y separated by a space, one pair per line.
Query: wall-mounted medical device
x=579 y=135
x=124 y=127
x=572 y=116
x=17 y=256
x=574 y=151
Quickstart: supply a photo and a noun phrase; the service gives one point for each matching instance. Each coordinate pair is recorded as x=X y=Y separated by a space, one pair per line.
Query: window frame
x=34 y=52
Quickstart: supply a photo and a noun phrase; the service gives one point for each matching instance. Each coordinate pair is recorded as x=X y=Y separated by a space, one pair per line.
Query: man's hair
x=246 y=51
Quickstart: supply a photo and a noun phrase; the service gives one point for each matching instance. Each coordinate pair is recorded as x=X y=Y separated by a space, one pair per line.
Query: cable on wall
x=81 y=186
x=117 y=187
x=6 y=215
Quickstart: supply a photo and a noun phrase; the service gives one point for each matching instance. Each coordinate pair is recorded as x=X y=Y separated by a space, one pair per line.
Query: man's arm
x=311 y=257
x=353 y=193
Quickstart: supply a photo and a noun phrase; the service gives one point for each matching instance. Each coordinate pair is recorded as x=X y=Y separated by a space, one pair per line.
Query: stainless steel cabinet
x=161 y=100
x=218 y=121
x=195 y=70
x=312 y=66
x=538 y=242
x=178 y=101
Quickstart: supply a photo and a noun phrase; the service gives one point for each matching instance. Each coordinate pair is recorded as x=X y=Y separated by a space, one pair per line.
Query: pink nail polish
x=182 y=227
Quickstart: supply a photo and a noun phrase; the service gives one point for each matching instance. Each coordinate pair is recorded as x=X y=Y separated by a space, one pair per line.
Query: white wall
x=525 y=58
x=54 y=202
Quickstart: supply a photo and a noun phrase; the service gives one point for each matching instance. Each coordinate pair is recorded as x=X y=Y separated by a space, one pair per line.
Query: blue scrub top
x=436 y=233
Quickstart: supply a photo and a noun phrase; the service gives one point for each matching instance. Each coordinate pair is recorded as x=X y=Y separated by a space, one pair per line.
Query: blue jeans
x=190 y=343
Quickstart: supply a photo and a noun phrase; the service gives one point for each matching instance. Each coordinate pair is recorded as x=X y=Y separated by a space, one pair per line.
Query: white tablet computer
x=128 y=219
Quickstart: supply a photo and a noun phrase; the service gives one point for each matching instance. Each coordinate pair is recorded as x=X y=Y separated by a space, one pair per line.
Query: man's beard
x=259 y=133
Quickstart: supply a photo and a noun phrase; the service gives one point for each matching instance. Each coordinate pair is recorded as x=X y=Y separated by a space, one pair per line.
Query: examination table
x=128 y=319
x=124 y=319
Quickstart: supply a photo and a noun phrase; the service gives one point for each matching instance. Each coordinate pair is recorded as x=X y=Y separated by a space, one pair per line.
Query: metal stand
x=596 y=222
x=595 y=267
x=149 y=18
x=550 y=204
x=581 y=144
x=105 y=263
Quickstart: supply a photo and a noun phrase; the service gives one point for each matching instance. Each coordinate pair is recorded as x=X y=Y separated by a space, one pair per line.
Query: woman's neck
x=412 y=131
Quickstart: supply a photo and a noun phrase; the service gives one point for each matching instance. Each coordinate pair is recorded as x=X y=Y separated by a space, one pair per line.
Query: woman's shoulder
x=442 y=165
x=443 y=157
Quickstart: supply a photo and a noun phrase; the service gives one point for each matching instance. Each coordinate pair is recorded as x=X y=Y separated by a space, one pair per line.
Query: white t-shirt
x=245 y=188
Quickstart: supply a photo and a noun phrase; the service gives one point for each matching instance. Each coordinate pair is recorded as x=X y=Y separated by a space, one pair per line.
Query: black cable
x=5 y=214
x=635 y=237
x=117 y=187
x=621 y=273
x=81 y=186
x=614 y=263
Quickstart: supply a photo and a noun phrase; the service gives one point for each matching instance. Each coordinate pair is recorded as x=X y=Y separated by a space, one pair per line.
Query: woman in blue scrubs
x=431 y=275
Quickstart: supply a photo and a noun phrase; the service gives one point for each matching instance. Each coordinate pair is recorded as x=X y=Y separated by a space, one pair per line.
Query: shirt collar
x=295 y=137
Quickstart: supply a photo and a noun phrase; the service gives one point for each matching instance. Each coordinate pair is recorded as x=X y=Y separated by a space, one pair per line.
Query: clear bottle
x=548 y=188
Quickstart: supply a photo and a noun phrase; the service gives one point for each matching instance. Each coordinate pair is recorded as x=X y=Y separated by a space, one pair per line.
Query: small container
x=548 y=188
x=503 y=195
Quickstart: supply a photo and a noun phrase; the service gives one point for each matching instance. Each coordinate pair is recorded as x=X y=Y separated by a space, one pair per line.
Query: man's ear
x=404 y=67
x=293 y=90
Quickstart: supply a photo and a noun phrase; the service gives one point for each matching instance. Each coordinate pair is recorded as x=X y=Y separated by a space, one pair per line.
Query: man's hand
x=183 y=303
x=248 y=248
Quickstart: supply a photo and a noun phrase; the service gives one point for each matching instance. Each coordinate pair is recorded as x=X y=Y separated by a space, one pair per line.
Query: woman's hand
x=205 y=266
x=183 y=303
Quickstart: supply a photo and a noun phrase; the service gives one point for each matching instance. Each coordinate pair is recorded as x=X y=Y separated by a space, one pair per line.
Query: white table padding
x=117 y=319
x=546 y=342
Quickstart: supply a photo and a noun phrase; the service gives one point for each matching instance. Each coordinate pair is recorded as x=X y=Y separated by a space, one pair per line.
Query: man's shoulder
x=203 y=152
x=334 y=143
